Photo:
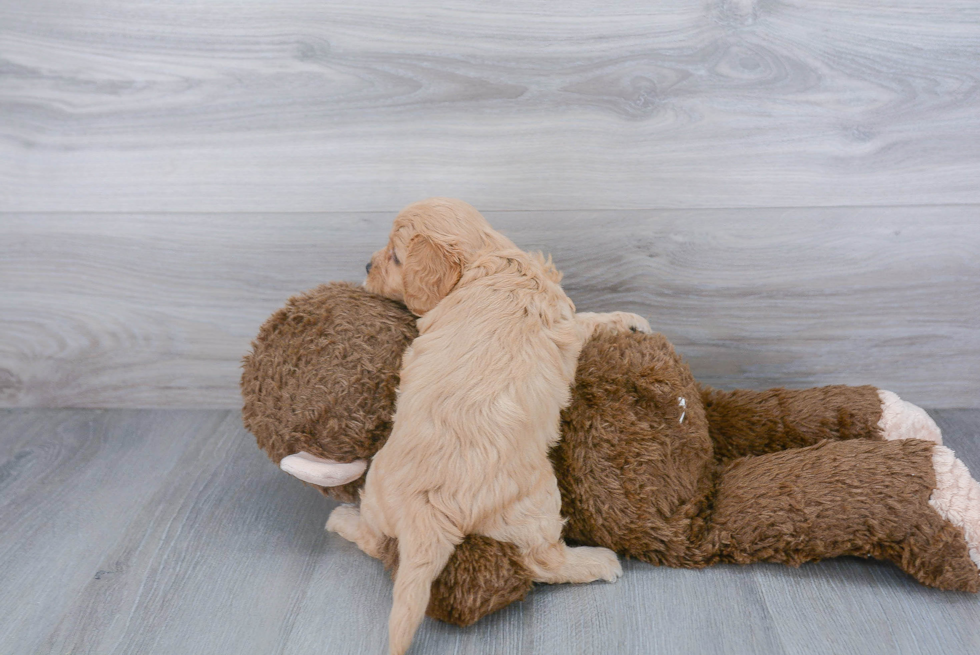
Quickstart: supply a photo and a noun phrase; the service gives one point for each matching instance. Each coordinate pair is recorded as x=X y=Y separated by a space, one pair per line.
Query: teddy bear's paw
x=344 y=520
x=903 y=420
x=957 y=497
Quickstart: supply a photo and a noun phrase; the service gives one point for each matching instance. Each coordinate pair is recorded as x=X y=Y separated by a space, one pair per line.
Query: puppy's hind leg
x=424 y=547
x=346 y=521
x=534 y=525
x=557 y=563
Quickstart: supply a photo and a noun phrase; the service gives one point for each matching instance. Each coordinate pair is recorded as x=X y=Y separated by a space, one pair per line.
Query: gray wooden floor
x=168 y=531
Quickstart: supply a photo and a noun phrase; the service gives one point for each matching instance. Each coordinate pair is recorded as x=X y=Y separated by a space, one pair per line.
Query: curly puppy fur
x=481 y=391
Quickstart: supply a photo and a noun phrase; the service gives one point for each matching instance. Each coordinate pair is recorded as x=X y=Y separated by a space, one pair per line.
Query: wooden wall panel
x=171 y=171
x=338 y=106
x=156 y=310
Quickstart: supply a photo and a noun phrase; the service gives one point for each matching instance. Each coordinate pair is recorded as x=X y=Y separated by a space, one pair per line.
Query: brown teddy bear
x=651 y=464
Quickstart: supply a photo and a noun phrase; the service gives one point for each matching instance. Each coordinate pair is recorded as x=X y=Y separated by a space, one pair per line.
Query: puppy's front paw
x=632 y=322
x=344 y=520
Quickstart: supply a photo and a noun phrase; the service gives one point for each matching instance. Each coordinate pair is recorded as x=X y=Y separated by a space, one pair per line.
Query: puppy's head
x=430 y=244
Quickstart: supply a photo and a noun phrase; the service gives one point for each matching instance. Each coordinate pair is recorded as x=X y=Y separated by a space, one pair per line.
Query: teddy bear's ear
x=322 y=472
x=430 y=271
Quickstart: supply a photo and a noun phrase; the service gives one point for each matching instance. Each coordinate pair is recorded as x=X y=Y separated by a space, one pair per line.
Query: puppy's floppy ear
x=430 y=271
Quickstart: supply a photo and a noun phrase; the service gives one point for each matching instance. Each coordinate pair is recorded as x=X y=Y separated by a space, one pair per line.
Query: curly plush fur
x=742 y=476
x=293 y=400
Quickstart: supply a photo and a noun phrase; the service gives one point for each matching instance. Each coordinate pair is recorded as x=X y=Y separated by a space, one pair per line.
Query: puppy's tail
x=424 y=547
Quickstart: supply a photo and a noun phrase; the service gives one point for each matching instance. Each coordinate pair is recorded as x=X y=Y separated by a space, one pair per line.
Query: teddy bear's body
x=651 y=464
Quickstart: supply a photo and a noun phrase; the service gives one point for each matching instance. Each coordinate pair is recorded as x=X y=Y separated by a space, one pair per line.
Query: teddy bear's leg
x=957 y=497
x=744 y=422
x=908 y=501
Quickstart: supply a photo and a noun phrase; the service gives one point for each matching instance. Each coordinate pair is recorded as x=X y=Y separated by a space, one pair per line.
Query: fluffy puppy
x=478 y=407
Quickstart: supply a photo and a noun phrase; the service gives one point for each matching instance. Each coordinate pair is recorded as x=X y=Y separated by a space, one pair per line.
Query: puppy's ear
x=430 y=271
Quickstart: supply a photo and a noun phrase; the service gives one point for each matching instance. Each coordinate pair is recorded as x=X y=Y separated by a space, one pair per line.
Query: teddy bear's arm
x=744 y=422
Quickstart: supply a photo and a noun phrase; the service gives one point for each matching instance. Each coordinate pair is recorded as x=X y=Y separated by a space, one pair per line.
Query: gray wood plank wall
x=788 y=190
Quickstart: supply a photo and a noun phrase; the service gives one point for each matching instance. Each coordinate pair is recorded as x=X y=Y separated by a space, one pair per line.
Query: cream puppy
x=478 y=408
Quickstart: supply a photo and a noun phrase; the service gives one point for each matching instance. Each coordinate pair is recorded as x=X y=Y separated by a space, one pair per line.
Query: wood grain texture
x=151 y=310
x=849 y=605
x=160 y=532
x=72 y=484
x=336 y=106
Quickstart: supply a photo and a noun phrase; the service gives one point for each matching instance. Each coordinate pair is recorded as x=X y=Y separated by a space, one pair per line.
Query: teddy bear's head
x=319 y=384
